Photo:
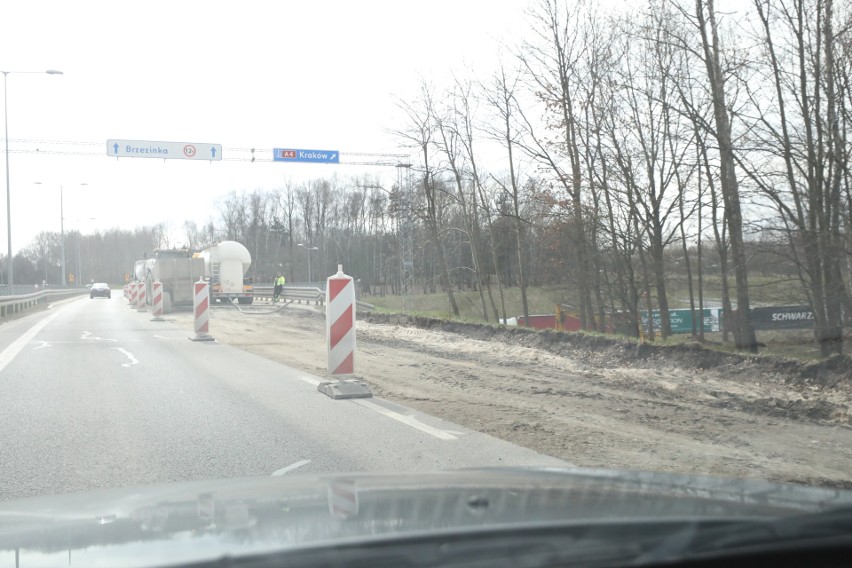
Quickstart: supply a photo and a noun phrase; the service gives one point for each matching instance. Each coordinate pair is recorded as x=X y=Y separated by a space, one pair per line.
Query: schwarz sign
x=782 y=317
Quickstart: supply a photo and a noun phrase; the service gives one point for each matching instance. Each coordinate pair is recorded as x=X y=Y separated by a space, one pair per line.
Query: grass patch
x=540 y=300
x=789 y=344
x=765 y=291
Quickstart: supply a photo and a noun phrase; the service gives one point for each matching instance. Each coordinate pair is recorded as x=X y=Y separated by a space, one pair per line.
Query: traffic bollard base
x=345 y=389
x=201 y=337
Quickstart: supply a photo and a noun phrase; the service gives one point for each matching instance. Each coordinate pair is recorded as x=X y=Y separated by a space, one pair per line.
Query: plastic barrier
x=133 y=290
x=141 y=297
x=340 y=337
x=201 y=311
x=157 y=301
x=340 y=324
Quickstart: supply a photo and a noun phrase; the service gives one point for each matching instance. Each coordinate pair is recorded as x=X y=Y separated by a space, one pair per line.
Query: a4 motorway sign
x=311 y=156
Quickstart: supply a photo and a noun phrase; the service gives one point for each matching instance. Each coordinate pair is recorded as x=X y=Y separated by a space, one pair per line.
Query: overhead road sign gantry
x=309 y=156
x=164 y=150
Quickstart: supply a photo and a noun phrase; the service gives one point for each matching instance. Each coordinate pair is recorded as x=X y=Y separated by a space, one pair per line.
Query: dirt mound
x=595 y=401
x=601 y=351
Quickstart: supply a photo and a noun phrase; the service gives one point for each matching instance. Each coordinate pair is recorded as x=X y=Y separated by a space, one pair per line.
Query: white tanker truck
x=225 y=267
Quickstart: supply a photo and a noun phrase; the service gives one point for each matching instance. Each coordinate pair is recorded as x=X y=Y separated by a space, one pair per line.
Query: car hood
x=194 y=521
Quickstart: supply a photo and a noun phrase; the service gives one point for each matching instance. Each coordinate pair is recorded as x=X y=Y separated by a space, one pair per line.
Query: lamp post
x=79 y=246
x=62 y=230
x=309 y=250
x=10 y=271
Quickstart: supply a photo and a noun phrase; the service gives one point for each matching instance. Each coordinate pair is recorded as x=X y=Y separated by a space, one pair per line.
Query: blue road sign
x=312 y=156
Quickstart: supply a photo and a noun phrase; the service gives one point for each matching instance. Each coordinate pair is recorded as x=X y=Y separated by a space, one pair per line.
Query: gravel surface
x=598 y=404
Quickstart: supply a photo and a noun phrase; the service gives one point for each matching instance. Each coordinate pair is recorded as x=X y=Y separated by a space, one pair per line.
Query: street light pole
x=79 y=279
x=309 y=250
x=62 y=232
x=10 y=270
x=64 y=276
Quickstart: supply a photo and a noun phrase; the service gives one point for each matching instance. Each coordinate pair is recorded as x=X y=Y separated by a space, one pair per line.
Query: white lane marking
x=18 y=345
x=41 y=344
x=133 y=360
x=408 y=420
x=290 y=467
x=86 y=337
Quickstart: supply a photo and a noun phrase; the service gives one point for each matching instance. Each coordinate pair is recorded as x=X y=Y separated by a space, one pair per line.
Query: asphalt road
x=95 y=395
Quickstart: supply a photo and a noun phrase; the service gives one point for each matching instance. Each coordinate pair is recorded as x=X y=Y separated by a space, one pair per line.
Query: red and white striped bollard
x=141 y=297
x=340 y=338
x=132 y=296
x=201 y=311
x=343 y=498
x=157 y=300
x=340 y=323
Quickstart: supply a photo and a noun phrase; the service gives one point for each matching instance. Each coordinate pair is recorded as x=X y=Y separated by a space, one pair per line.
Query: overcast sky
x=244 y=74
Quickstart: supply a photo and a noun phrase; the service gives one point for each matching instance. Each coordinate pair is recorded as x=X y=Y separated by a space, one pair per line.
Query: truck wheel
x=246 y=301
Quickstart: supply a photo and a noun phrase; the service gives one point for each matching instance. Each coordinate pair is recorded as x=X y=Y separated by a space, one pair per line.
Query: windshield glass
x=282 y=239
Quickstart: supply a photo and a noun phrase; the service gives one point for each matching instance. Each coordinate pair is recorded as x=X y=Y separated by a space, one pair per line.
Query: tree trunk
x=744 y=333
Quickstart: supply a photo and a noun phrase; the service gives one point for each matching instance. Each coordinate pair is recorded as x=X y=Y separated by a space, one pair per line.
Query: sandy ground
x=590 y=413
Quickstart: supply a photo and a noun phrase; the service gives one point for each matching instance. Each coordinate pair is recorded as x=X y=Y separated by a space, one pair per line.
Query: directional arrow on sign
x=164 y=150
x=309 y=156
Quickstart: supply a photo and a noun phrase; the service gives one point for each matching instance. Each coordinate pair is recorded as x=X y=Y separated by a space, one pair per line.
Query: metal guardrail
x=20 y=290
x=11 y=305
x=302 y=294
x=293 y=284
x=296 y=293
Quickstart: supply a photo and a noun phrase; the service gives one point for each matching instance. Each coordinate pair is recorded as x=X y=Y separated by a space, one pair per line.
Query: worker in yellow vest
x=279 y=287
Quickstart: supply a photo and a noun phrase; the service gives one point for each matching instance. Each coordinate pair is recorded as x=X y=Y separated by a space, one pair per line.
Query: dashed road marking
x=86 y=336
x=133 y=360
x=407 y=420
x=290 y=468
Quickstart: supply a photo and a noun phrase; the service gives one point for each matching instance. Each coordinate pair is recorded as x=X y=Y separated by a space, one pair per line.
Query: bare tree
x=553 y=66
x=420 y=134
x=802 y=127
x=450 y=125
x=706 y=21
x=500 y=96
